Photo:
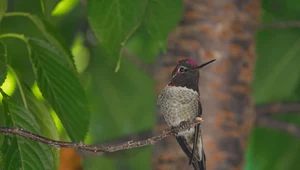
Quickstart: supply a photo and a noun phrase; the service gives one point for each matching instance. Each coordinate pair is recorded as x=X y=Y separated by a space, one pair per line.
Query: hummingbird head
x=186 y=74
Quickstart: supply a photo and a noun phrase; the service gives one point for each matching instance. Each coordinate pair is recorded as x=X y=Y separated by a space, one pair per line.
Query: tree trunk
x=222 y=30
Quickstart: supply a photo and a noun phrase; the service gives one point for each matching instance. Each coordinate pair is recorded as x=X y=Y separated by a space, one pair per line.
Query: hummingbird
x=179 y=101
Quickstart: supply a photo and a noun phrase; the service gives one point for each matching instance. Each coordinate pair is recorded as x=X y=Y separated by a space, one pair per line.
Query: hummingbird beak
x=202 y=65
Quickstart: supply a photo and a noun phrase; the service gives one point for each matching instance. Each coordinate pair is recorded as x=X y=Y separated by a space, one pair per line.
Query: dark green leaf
x=45 y=121
x=277 y=74
x=159 y=19
x=3 y=6
x=32 y=26
x=143 y=46
x=114 y=22
x=276 y=71
x=52 y=37
x=3 y=66
x=146 y=24
x=123 y=103
x=286 y=10
x=30 y=6
x=135 y=160
x=48 y=6
x=3 y=72
x=59 y=85
x=19 y=152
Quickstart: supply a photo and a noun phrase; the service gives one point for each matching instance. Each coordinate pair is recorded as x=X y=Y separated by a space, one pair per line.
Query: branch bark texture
x=111 y=148
x=222 y=30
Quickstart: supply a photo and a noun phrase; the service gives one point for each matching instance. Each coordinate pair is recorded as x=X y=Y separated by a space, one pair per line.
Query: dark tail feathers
x=200 y=165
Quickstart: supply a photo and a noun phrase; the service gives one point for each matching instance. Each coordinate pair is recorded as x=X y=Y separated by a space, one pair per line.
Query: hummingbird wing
x=199 y=163
x=196 y=134
x=202 y=163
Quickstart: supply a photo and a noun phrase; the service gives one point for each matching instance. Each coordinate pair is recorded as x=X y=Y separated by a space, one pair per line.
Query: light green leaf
x=19 y=152
x=3 y=6
x=64 y=7
x=60 y=86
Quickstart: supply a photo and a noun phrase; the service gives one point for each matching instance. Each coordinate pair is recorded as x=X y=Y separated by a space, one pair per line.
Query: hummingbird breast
x=178 y=104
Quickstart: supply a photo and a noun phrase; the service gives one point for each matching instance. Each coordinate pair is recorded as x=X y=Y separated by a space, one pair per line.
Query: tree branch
x=281 y=25
x=112 y=148
x=270 y=123
x=277 y=108
x=134 y=136
x=263 y=113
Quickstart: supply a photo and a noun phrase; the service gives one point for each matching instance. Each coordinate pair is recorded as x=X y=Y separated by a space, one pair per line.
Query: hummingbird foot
x=174 y=131
x=184 y=124
x=182 y=127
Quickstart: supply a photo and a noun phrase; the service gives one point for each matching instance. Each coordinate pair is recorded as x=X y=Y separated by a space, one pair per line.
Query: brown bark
x=224 y=30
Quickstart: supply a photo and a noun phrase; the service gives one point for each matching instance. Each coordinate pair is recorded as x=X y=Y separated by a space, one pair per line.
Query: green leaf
x=19 y=152
x=143 y=46
x=3 y=72
x=123 y=103
x=64 y=7
x=44 y=120
x=145 y=24
x=277 y=71
x=29 y=6
x=159 y=19
x=287 y=10
x=3 y=6
x=3 y=59
x=48 y=6
x=113 y=22
x=52 y=37
x=136 y=159
x=33 y=26
x=273 y=78
x=60 y=86
x=277 y=75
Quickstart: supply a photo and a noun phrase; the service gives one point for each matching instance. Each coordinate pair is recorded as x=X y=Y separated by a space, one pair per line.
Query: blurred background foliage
x=95 y=33
x=277 y=79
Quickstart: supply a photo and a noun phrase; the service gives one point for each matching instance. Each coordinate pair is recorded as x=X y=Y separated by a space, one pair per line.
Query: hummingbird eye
x=182 y=69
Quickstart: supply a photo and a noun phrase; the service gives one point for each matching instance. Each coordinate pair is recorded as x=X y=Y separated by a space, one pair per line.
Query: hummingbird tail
x=200 y=165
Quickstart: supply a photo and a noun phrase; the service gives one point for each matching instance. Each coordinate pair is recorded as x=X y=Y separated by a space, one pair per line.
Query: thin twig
x=277 y=108
x=134 y=136
x=112 y=148
x=270 y=123
x=281 y=25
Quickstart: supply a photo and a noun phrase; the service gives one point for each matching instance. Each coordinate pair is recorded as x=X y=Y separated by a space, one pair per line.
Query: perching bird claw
x=174 y=131
x=184 y=124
